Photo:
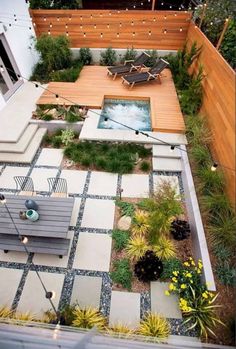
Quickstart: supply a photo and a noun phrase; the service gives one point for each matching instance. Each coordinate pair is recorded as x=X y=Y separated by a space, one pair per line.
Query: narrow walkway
x=14 y=117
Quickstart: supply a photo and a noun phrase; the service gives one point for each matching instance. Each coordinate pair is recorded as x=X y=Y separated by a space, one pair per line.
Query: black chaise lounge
x=152 y=74
x=128 y=66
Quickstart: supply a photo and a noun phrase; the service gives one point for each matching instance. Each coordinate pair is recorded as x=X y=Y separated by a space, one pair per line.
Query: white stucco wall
x=18 y=36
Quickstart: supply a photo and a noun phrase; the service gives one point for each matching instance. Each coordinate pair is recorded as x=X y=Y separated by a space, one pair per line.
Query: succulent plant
x=149 y=267
x=180 y=229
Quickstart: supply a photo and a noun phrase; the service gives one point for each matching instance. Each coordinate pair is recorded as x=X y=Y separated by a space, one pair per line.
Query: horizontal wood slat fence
x=218 y=103
x=163 y=30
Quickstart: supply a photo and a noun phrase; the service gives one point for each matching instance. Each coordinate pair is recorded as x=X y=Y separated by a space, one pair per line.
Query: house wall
x=18 y=36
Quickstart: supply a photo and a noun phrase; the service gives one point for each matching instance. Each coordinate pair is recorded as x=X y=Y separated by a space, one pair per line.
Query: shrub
x=197 y=130
x=40 y=73
x=226 y=273
x=56 y=4
x=201 y=155
x=180 y=229
x=148 y=268
x=67 y=136
x=228 y=48
x=153 y=325
x=126 y=208
x=165 y=249
x=119 y=328
x=56 y=141
x=152 y=59
x=71 y=117
x=88 y=318
x=47 y=117
x=54 y=51
x=222 y=229
x=145 y=166
x=136 y=247
x=222 y=252
x=86 y=160
x=169 y=266
x=122 y=273
x=191 y=97
x=67 y=75
x=129 y=55
x=85 y=55
x=108 y=57
x=120 y=238
x=200 y=311
x=140 y=223
x=211 y=181
x=215 y=203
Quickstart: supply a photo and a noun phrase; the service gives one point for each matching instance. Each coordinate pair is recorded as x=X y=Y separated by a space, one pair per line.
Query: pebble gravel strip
x=177 y=326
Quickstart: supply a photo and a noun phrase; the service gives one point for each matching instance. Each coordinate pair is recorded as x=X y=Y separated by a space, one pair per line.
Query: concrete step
x=166 y=164
x=164 y=151
x=30 y=152
x=23 y=142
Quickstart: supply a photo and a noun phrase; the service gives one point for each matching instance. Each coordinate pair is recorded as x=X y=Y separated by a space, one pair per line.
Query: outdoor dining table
x=54 y=216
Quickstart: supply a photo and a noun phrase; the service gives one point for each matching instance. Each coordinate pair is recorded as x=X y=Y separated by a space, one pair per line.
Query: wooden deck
x=94 y=84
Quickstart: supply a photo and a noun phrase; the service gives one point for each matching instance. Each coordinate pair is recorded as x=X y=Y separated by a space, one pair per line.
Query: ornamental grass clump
x=136 y=247
x=140 y=224
x=153 y=325
x=88 y=318
x=165 y=248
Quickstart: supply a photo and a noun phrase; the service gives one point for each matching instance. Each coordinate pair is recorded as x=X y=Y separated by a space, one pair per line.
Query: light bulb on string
x=81 y=18
x=214 y=167
x=180 y=29
x=70 y=18
x=34 y=24
x=24 y=239
x=132 y=23
x=57 y=97
x=136 y=132
x=50 y=25
x=91 y=16
x=133 y=34
x=19 y=77
x=101 y=35
x=108 y=25
x=44 y=18
x=1 y=69
x=118 y=35
x=120 y=25
x=105 y=120
x=58 y=19
x=149 y=33
x=81 y=27
x=175 y=14
x=2 y=199
x=50 y=294
x=172 y=148
x=165 y=31
x=67 y=34
x=95 y=26
x=144 y=21
x=154 y=19
x=84 y=35
x=66 y=26
x=134 y=6
x=165 y=17
x=49 y=32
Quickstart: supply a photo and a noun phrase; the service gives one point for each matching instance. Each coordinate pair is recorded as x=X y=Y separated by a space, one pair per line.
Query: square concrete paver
x=93 y=252
x=10 y=279
x=40 y=175
x=135 y=186
x=13 y=256
x=33 y=296
x=98 y=214
x=173 y=180
x=53 y=260
x=102 y=183
x=75 y=212
x=86 y=291
x=75 y=180
x=50 y=157
x=125 y=309
x=168 y=306
x=6 y=178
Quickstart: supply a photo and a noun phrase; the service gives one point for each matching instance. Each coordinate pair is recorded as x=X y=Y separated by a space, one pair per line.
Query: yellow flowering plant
x=189 y=275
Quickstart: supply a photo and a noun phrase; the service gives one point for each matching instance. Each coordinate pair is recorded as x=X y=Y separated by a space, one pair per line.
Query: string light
x=58 y=19
x=81 y=18
x=50 y=294
x=95 y=26
x=66 y=25
x=108 y=26
x=144 y=21
x=81 y=27
x=70 y=18
x=1 y=69
x=149 y=33
x=67 y=34
x=91 y=16
x=154 y=19
x=165 y=17
x=172 y=148
x=214 y=167
x=49 y=32
x=180 y=29
x=84 y=35
x=120 y=25
x=105 y=120
x=44 y=18
x=50 y=25
x=118 y=35
x=132 y=23
x=57 y=97
x=24 y=239
x=101 y=35
x=165 y=31
x=137 y=132
x=133 y=34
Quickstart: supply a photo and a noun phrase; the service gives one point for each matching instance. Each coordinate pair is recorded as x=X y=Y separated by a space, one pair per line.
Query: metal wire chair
x=25 y=185
x=57 y=186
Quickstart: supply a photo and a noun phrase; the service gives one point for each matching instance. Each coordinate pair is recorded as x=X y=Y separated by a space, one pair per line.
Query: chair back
x=141 y=59
x=57 y=185
x=158 y=67
x=24 y=183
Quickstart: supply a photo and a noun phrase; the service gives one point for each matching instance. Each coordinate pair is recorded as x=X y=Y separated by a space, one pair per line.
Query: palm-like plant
x=201 y=312
x=165 y=248
x=136 y=247
x=140 y=223
x=88 y=318
x=154 y=325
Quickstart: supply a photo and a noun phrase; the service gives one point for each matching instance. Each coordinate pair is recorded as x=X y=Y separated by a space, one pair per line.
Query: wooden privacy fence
x=218 y=103
x=163 y=30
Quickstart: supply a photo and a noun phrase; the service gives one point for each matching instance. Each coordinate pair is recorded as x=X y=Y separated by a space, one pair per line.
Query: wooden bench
x=35 y=244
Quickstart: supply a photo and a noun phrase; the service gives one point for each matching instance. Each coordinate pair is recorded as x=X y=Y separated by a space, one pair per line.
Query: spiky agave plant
x=5 y=312
x=201 y=312
x=120 y=328
x=165 y=248
x=140 y=223
x=136 y=247
x=88 y=318
x=154 y=325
